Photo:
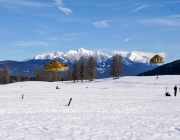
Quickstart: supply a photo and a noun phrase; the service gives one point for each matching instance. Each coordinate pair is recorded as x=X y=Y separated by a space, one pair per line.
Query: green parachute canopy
x=56 y=66
x=156 y=59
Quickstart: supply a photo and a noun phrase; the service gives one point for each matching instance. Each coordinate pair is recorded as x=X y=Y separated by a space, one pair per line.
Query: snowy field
x=129 y=108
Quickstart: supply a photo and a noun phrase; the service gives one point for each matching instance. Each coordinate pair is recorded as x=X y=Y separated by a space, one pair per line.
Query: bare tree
x=55 y=76
x=81 y=64
x=1 y=76
x=86 y=71
x=6 y=78
x=68 y=76
x=59 y=76
x=38 y=75
x=91 y=68
x=47 y=76
x=18 y=78
x=116 y=66
x=27 y=78
x=75 y=74
x=41 y=75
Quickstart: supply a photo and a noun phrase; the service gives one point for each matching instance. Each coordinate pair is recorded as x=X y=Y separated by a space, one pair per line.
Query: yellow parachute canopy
x=56 y=66
x=156 y=59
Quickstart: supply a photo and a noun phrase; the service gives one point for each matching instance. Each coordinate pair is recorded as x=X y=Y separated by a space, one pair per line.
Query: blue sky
x=32 y=27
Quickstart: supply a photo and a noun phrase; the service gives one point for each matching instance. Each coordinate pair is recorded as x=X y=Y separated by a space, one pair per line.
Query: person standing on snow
x=175 y=90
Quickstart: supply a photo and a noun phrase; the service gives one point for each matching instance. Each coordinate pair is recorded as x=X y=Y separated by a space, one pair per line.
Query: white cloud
x=126 y=40
x=139 y=8
x=62 y=8
x=171 y=2
x=67 y=37
x=173 y=20
x=52 y=38
x=31 y=43
x=73 y=36
x=24 y=3
x=41 y=32
x=174 y=16
x=102 y=24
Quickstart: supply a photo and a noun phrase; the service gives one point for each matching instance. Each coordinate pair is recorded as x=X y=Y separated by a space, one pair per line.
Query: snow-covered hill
x=140 y=57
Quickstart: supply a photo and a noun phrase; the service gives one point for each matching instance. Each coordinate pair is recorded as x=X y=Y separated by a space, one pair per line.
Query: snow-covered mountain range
x=134 y=62
x=135 y=56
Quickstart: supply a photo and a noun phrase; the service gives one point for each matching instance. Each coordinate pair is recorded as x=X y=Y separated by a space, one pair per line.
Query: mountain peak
x=135 y=57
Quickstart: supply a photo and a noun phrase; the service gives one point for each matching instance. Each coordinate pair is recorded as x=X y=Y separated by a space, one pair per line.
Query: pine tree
x=91 y=68
x=116 y=66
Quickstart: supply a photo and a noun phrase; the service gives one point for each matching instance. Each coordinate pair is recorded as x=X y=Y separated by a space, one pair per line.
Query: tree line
x=83 y=69
x=5 y=77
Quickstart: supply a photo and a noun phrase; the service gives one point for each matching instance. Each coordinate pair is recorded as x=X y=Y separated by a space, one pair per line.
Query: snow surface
x=129 y=108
